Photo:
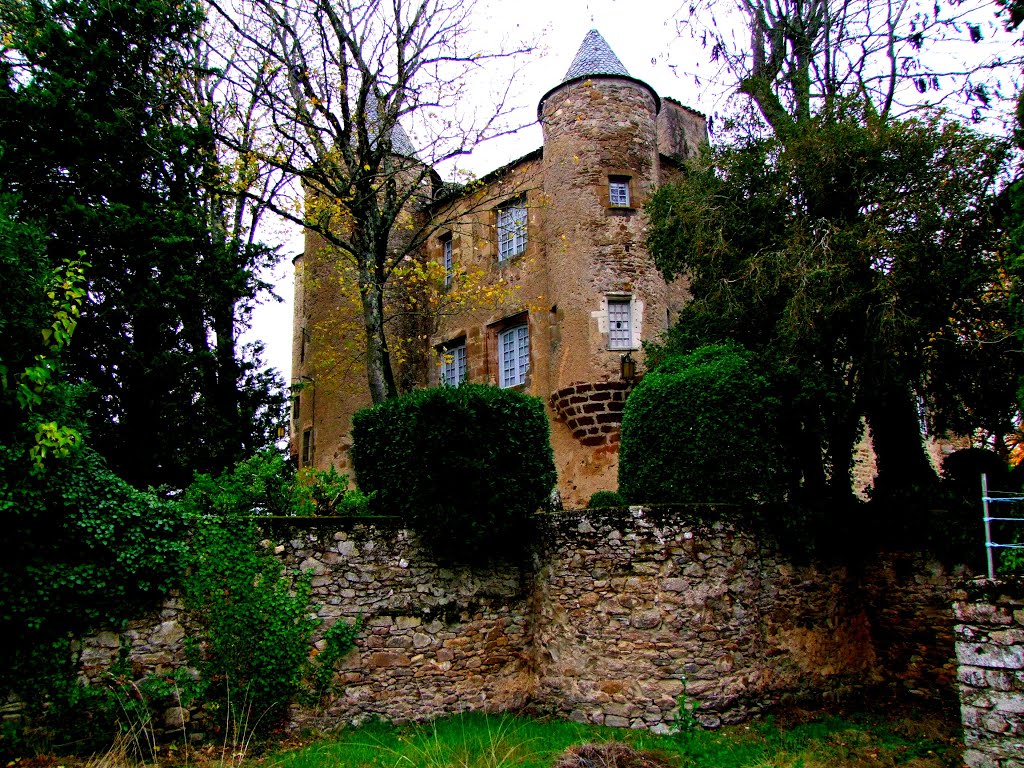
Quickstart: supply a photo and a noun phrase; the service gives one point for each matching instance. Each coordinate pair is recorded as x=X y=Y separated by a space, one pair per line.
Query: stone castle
x=564 y=225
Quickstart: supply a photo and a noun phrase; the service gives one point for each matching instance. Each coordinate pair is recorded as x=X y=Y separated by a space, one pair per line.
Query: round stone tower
x=600 y=167
x=601 y=164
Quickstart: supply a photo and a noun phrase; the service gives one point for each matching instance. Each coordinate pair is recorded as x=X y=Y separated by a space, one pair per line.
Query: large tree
x=795 y=59
x=335 y=80
x=863 y=257
x=105 y=154
x=852 y=241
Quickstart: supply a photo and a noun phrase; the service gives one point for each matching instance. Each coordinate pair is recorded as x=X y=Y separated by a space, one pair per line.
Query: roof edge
x=627 y=78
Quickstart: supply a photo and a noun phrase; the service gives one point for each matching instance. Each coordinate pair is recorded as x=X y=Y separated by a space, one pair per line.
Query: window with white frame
x=512 y=229
x=513 y=356
x=620 y=332
x=453 y=364
x=618 y=191
x=449 y=264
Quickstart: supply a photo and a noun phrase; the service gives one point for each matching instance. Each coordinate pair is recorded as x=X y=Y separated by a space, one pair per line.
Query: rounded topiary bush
x=466 y=467
x=703 y=428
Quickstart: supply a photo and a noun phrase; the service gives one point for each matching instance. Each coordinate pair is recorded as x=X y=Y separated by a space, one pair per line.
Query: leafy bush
x=267 y=484
x=466 y=466
x=702 y=428
x=603 y=499
x=255 y=619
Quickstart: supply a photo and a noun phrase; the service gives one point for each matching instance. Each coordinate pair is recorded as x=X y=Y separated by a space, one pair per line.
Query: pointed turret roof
x=595 y=57
x=400 y=143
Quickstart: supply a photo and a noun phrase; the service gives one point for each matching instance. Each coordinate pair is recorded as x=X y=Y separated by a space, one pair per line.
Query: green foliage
x=82 y=549
x=255 y=619
x=603 y=499
x=340 y=639
x=266 y=484
x=466 y=467
x=703 y=428
x=864 y=260
x=35 y=328
x=254 y=655
x=102 y=155
x=326 y=492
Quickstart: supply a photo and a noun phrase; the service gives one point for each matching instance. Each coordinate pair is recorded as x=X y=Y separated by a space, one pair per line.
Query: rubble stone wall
x=618 y=616
x=990 y=653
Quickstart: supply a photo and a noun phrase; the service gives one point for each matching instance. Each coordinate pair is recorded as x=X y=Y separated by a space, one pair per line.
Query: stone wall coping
x=1005 y=591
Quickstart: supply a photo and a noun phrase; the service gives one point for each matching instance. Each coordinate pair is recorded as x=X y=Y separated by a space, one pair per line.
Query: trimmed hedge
x=466 y=467
x=703 y=428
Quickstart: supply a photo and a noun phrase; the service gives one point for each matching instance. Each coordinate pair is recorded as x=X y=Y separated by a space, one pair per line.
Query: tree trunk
x=379 y=375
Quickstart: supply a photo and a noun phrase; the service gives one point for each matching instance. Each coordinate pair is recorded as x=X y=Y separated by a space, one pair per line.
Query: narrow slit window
x=449 y=263
x=307 y=447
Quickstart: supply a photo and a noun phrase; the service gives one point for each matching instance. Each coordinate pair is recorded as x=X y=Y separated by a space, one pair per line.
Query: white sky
x=643 y=35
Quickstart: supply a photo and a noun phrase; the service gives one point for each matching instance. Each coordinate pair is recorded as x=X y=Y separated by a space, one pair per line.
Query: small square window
x=449 y=263
x=453 y=364
x=618 y=192
x=513 y=356
x=512 y=229
x=620 y=333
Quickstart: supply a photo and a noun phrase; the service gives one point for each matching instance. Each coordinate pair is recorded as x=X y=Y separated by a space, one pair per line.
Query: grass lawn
x=497 y=741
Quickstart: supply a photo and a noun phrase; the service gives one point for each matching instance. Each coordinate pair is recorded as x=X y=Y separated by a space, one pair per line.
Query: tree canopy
x=863 y=257
x=103 y=156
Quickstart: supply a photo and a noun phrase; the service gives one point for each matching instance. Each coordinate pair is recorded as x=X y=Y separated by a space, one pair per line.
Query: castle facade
x=562 y=232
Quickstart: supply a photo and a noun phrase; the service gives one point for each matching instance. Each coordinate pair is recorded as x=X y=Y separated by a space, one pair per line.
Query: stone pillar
x=990 y=658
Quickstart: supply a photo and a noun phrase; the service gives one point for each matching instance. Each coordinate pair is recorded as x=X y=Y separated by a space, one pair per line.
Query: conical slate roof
x=595 y=57
x=400 y=143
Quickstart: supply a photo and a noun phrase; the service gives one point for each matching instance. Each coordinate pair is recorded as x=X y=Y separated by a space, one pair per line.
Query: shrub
x=603 y=499
x=256 y=617
x=703 y=428
x=256 y=623
x=267 y=484
x=466 y=467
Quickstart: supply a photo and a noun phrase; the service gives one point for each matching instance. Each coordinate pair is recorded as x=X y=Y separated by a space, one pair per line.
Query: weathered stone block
x=976 y=759
x=990 y=656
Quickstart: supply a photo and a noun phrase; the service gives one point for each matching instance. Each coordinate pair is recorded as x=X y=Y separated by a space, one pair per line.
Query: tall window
x=618 y=191
x=307 y=447
x=513 y=356
x=512 y=229
x=620 y=334
x=453 y=364
x=449 y=264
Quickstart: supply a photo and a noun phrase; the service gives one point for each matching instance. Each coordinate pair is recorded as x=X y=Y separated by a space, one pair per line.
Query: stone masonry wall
x=635 y=609
x=620 y=613
x=990 y=651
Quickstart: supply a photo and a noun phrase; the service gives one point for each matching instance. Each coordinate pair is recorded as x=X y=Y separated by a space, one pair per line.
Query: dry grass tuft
x=611 y=754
